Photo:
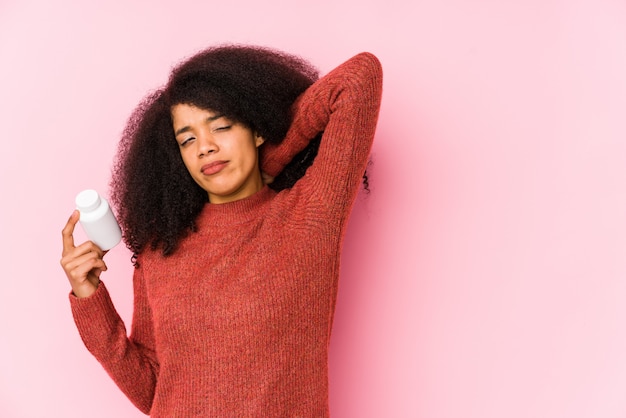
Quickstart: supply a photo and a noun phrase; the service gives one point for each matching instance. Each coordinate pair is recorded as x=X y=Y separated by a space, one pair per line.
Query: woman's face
x=220 y=155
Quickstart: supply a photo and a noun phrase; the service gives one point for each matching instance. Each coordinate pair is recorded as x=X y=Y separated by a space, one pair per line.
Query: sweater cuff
x=95 y=317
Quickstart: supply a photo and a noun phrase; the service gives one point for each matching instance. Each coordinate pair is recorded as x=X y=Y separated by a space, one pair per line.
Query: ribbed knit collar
x=236 y=212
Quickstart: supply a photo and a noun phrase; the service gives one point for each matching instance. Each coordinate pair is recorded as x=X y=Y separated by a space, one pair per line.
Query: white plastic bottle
x=98 y=220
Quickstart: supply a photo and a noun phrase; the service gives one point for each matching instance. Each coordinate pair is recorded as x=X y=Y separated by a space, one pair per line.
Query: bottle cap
x=87 y=200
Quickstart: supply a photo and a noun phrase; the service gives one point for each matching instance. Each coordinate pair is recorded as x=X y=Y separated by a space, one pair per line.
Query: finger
x=79 y=277
x=98 y=270
x=81 y=270
x=90 y=246
x=78 y=269
x=68 y=231
x=84 y=251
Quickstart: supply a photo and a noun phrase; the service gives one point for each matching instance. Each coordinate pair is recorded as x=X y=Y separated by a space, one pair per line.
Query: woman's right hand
x=82 y=264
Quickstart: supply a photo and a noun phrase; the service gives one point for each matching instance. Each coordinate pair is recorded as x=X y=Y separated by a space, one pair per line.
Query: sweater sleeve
x=344 y=105
x=131 y=362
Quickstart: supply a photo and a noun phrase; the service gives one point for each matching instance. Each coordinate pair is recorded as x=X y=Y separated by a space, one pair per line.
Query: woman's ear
x=258 y=139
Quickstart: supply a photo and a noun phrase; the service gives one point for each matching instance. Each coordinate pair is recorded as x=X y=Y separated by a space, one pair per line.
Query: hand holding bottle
x=82 y=264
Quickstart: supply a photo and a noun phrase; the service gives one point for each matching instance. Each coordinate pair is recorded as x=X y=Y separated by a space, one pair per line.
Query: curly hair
x=156 y=199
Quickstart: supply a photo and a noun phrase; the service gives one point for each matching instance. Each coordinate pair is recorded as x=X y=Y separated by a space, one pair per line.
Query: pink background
x=484 y=276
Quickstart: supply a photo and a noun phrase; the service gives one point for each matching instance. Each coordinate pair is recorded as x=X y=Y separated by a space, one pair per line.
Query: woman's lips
x=213 y=168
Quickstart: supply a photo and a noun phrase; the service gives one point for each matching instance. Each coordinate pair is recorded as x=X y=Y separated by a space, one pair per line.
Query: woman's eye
x=186 y=141
x=222 y=128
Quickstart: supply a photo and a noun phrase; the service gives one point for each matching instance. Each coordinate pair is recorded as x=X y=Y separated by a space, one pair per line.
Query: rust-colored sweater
x=237 y=322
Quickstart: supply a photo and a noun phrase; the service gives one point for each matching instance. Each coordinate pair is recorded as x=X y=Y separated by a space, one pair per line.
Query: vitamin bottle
x=97 y=219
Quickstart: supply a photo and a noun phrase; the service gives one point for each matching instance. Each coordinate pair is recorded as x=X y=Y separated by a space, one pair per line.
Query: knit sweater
x=237 y=322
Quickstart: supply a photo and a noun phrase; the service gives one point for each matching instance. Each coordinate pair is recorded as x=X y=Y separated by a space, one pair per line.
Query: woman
x=235 y=282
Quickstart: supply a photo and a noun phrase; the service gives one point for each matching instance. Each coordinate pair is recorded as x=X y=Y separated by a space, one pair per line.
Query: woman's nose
x=206 y=145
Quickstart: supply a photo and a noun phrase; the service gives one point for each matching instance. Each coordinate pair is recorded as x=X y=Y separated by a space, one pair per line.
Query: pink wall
x=485 y=274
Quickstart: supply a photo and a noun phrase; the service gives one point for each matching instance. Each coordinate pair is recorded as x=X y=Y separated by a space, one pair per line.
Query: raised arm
x=344 y=104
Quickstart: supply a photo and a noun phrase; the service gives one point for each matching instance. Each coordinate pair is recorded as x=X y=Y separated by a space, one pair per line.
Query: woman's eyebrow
x=214 y=117
x=188 y=128
x=182 y=130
